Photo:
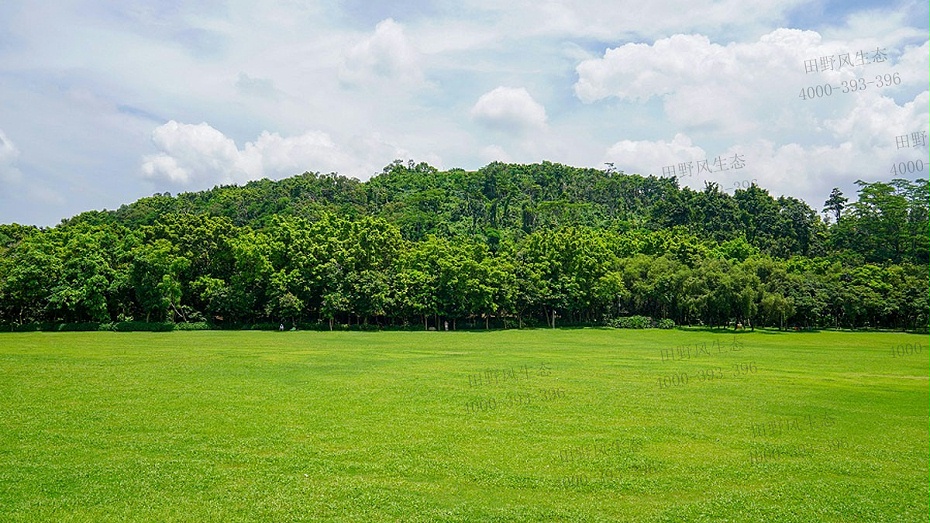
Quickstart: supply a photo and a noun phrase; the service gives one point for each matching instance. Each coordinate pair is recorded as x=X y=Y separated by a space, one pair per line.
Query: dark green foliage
x=665 y=323
x=79 y=327
x=507 y=246
x=634 y=322
x=193 y=326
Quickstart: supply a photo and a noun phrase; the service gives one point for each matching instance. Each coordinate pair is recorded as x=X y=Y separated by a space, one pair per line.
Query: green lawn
x=541 y=425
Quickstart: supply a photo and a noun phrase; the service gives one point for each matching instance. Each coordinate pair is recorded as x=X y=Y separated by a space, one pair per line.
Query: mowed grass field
x=533 y=425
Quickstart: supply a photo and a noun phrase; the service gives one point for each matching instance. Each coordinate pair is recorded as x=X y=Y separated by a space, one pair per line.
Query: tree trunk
x=178 y=313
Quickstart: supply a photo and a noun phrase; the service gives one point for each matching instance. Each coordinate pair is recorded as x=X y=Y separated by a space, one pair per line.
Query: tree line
x=508 y=245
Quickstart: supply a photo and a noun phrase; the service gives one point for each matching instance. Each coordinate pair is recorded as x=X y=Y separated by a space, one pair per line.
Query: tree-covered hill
x=506 y=243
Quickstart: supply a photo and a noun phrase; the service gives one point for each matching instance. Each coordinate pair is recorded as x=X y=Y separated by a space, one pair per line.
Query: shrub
x=632 y=322
x=78 y=327
x=193 y=326
x=33 y=327
x=666 y=323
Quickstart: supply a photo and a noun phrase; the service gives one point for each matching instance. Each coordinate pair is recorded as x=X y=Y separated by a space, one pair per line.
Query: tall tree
x=835 y=204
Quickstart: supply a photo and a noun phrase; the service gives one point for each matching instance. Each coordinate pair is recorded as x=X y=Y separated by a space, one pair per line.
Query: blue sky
x=102 y=103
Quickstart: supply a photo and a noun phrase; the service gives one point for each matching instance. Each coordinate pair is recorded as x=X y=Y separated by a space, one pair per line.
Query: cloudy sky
x=102 y=102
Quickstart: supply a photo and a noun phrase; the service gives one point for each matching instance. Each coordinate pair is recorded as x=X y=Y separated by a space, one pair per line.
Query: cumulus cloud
x=805 y=169
x=862 y=146
x=8 y=156
x=782 y=169
x=509 y=109
x=875 y=121
x=495 y=153
x=386 y=54
x=733 y=88
x=637 y=72
x=916 y=58
x=197 y=154
x=648 y=157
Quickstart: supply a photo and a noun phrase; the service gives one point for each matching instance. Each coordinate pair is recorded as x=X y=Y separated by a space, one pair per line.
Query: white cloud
x=800 y=170
x=916 y=58
x=782 y=169
x=678 y=64
x=314 y=150
x=875 y=121
x=385 y=55
x=8 y=156
x=191 y=152
x=863 y=147
x=495 y=153
x=199 y=154
x=648 y=157
x=741 y=88
x=510 y=109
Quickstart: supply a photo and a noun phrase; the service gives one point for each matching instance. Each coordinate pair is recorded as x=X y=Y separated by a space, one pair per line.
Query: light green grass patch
x=565 y=425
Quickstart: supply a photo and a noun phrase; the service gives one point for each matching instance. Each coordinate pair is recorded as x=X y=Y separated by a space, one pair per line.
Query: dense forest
x=505 y=246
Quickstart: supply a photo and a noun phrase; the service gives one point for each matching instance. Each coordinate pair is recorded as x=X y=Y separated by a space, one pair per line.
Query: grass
x=586 y=425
